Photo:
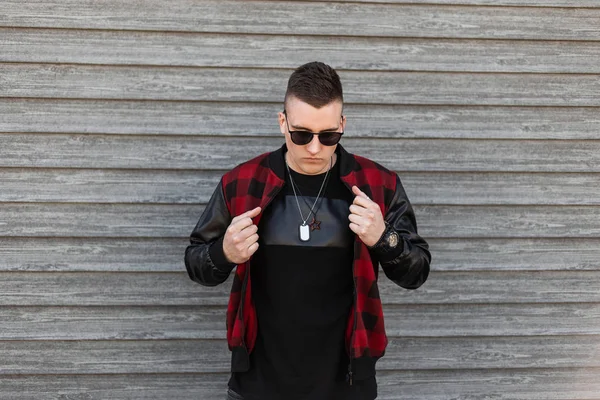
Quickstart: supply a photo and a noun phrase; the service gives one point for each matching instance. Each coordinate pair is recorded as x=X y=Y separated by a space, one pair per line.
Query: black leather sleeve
x=204 y=258
x=407 y=264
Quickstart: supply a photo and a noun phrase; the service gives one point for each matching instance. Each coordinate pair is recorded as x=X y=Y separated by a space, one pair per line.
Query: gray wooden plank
x=206 y=322
x=513 y=3
x=224 y=153
x=523 y=254
x=277 y=51
x=140 y=220
x=176 y=289
x=193 y=187
x=212 y=356
x=304 y=18
x=268 y=85
x=126 y=254
x=260 y=119
x=542 y=384
x=92 y=254
x=100 y=387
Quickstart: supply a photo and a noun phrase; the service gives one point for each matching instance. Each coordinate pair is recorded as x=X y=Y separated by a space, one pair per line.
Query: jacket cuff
x=382 y=251
x=217 y=256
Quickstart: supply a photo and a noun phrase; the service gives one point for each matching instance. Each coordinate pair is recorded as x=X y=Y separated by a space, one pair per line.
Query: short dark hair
x=315 y=83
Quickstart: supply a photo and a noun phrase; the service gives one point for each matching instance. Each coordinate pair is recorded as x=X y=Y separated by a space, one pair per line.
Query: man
x=307 y=226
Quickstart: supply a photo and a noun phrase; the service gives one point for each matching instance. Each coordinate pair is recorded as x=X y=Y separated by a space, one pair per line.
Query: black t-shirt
x=303 y=292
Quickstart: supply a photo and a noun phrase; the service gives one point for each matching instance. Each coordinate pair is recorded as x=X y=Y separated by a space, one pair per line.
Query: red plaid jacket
x=256 y=183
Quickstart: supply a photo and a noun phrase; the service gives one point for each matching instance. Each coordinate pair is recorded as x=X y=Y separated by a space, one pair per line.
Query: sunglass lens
x=301 y=138
x=329 y=138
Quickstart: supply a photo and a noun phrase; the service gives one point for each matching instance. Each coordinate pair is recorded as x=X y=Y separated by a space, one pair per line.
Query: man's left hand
x=366 y=219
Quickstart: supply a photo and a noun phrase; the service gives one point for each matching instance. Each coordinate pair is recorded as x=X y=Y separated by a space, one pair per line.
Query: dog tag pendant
x=304 y=233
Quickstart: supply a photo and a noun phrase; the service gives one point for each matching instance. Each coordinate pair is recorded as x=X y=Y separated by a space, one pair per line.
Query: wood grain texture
x=212 y=356
x=278 y=51
x=176 y=289
x=194 y=187
x=178 y=221
x=127 y=254
x=513 y=3
x=224 y=153
x=304 y=18
x=206 y=322
x=542 y=384
x=260 y=119
x=268 y=85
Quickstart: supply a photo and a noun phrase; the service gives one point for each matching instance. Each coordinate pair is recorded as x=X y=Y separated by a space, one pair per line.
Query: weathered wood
x=514 y=3
x=125 y=254
x=193 y=187
x=523 y=254
x=258 y=51
x=260 y=119
x=130 y=220
x=224 y=153
x=303 y=18
x=176 y=289
x=212 y=356
x=92 y=254
x=205 y=322
x=538 y=384
x=268 y=85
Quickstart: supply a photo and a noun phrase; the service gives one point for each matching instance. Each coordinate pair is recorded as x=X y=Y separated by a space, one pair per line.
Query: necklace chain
x=318 y=195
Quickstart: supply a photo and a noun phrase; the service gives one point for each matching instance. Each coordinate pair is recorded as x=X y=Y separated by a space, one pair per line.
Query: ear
x=343 y=123
x=281 y=118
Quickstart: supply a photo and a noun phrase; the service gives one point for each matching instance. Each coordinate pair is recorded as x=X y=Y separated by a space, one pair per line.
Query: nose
x=314 y=147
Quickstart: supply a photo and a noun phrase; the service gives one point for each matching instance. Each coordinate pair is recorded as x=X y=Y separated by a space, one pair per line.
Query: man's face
x=312 y=158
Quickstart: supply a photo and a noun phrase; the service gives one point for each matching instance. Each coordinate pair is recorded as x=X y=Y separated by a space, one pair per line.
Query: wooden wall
x=117 y=119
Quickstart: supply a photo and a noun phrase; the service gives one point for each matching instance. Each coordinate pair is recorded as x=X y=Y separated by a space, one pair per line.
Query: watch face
x=393 y=239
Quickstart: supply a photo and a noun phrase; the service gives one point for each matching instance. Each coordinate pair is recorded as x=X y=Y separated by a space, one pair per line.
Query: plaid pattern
x=254 y=184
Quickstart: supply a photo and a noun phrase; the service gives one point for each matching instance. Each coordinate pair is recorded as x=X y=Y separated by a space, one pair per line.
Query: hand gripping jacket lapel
x=255 y=183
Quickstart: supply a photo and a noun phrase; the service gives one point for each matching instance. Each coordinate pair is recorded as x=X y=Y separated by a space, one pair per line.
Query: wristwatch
x=389 y=239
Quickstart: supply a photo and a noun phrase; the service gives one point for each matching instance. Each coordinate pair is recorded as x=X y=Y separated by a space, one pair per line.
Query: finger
x=252 y=249
x=239 y=225
x=358 y=210
x=355 y=228
x=356 y=219
x=250 y=214
x=250 y=240
x=359 y=192
x=363 y=202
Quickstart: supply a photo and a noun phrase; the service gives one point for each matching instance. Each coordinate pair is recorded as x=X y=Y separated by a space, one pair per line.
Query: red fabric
x=253 y=184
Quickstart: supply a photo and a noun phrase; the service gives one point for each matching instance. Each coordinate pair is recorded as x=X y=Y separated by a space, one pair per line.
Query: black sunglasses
x=302 y=138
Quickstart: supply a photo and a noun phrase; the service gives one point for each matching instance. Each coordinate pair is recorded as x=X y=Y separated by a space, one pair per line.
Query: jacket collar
x=276 y=160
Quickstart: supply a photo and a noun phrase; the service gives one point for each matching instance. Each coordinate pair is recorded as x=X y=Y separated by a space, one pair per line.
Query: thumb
x=359 y=192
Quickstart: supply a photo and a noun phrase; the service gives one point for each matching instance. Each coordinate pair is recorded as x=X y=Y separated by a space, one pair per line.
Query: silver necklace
x=304 y=228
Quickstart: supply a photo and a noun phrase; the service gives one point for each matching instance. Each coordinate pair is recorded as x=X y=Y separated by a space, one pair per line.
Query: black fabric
x=300 y=351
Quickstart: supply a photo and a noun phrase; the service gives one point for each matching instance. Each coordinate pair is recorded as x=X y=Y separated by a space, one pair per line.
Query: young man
x=307 y=226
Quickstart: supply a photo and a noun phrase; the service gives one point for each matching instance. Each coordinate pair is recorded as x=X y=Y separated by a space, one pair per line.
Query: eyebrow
x=301 y=128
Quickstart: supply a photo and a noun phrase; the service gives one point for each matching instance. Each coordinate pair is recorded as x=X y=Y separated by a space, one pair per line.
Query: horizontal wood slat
x=118 y=220
x=260 y=119
x=309 y=18
x=555 y=384
x=176 y=289
x=204 y=322
x=268 y=85
x=212 y=356
x=126 y=254
x=513 y=3
x=224 y=153
x=275 y=51
x=193 y=187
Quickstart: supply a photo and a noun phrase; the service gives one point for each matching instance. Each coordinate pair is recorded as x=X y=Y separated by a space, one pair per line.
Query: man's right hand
x=241 y=238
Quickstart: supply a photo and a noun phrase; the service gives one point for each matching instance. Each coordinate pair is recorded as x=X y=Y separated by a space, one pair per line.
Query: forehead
x=307 y=116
